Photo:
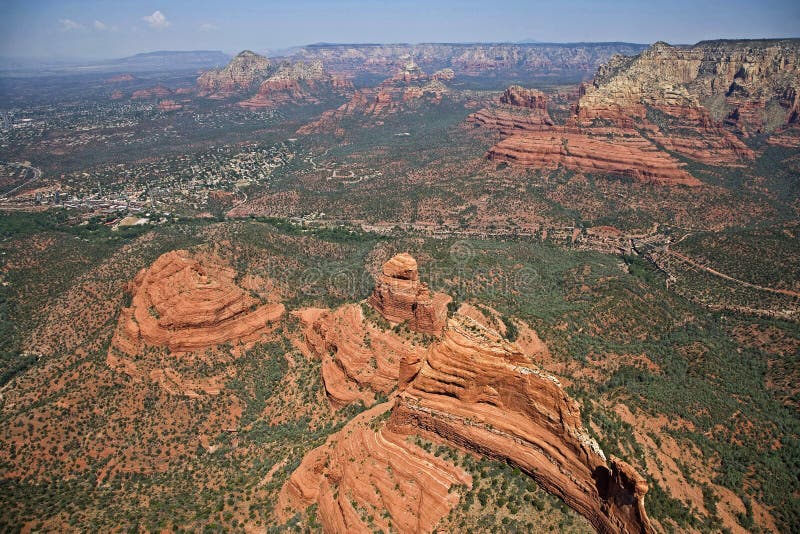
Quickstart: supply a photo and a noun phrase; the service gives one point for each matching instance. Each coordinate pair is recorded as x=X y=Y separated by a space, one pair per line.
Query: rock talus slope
x=480 y=392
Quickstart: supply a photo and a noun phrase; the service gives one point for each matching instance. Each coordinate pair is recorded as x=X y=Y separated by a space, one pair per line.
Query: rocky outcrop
x=242 y=73
x=444 y=75
x=400 y=297
x=366 y=471
x=296 y=83
x=187 y=302
x=519 y=110
x=748 y=85
x=633 y=157
x=359 y=360
x=169 y=105
x=518 y=96
x=405 y=89
x=482 y=393
x=159 y=91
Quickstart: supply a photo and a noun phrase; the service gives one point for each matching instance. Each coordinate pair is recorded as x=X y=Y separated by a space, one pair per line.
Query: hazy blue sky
x=112 y=28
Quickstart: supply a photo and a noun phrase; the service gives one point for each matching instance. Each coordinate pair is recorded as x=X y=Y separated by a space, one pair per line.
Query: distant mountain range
x=162 y=60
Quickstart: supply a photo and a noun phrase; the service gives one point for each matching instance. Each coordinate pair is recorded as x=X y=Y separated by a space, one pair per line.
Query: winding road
x=37 y=174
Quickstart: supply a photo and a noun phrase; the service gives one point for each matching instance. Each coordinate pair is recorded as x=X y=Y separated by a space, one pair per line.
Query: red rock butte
x=190 y=302
x=480 y=392
x=634 y=157
x=400 y=296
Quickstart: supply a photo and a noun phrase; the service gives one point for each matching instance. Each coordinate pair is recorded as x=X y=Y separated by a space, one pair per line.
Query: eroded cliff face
x=517 y=110
x=187 y=302
x=699 y=102
x=633 y=157
x=477 y=391
x=400 y=296
x=240 y=75
x=748 y=86
x=726 y=77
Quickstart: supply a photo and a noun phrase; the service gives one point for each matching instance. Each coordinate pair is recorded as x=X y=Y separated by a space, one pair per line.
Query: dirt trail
x=731 y=278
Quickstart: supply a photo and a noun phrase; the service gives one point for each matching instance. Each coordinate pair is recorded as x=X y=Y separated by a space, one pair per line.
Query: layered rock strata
x=749 y=86
x=406 y=88
x=359 y=360
x=520 y=110
x=187 y=303
x=374 y=470
x=634 y=157
x=400 y=296
x=480 y=392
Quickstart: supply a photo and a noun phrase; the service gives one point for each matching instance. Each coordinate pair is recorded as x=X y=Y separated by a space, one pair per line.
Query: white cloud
x=69 y=25
x=157 y=20
x=207 y=27
x=98 y=25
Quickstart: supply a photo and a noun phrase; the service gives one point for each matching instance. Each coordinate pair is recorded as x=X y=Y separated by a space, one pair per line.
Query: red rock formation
x=169 y=105
x=188 y=303
x=399 y=296
x=409 y=74
x=443 y=75
x=359 y=360
x=632 y=157
x=117 y=94
x=159 y=91
x=520 y=110
x=480 y=392
x=120 y=78
x=341 y=84
x=748 y=86
x=378 y=471
x=241 y=74
x=295 y=83
x=524 y=98
x=406 y=88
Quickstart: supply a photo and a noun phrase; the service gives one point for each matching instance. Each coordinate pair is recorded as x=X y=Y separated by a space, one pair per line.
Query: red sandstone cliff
x=634 y=157
x=480 y=392
x=359 y=359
